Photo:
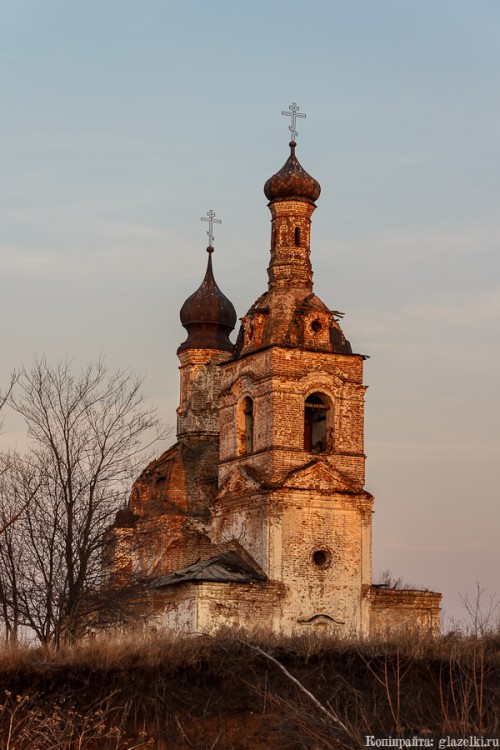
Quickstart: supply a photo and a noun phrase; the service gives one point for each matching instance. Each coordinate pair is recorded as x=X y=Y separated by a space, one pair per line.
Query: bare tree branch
x=4 y=396
x=88 y=435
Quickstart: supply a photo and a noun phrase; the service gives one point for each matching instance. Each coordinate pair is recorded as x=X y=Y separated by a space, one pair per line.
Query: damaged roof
x=226 y=568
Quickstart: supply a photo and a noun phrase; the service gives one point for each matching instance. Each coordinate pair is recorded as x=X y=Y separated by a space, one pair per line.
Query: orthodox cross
x=211 y=221
x=294 y=113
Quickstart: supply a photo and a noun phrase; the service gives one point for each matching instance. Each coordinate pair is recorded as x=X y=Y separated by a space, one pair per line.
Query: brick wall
x=398 y=611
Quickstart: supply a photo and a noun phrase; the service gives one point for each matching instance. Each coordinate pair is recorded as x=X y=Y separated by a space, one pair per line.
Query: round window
x=321 y=558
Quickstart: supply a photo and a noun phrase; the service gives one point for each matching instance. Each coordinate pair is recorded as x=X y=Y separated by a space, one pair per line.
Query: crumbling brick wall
x=397 y=611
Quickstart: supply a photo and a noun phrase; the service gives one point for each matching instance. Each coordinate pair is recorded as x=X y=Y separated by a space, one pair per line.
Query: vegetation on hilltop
x=227 y=692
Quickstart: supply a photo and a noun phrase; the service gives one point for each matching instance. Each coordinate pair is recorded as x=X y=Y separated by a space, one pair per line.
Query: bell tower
x=291 y=471
x=208 y=317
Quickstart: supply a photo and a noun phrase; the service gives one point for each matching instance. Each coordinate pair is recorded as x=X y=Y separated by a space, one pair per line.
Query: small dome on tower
x=208 y=315
x=292 y=182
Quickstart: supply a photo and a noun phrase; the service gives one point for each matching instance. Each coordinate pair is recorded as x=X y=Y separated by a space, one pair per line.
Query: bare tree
x=18 y=488
x=87 y=436
x=4 y=463
x=4 y=396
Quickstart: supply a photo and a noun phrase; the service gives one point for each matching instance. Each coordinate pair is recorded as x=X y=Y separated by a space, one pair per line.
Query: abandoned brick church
x=258 y=515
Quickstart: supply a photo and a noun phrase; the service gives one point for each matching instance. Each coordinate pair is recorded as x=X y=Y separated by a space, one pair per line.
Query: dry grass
x=134 y=691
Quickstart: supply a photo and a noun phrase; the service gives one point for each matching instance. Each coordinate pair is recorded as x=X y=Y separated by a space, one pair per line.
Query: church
x=258 y=517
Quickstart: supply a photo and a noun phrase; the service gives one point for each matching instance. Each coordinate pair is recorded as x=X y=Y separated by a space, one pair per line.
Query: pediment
x=320 y=476
x=239 y=482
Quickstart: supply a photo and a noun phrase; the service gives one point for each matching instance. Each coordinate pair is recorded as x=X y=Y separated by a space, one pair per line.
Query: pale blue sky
x=124 y=121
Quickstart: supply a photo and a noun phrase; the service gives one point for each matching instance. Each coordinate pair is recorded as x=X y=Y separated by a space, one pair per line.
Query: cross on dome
x=294 y=113
x=211 y=221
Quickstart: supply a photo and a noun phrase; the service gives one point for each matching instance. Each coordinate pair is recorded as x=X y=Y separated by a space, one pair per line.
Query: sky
x=124 y=121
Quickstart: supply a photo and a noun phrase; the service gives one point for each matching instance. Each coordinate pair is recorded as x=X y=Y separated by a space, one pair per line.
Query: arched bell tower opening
x=318 y=423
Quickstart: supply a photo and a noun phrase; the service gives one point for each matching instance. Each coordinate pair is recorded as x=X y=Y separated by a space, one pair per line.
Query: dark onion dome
x=208 y=315
x=292 y=182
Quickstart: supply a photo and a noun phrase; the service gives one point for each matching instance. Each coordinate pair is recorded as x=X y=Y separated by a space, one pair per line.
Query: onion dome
x=208 y=315
x=292 y=182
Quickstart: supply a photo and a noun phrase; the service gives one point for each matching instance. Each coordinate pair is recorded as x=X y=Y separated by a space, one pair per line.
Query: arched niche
x=245 y=426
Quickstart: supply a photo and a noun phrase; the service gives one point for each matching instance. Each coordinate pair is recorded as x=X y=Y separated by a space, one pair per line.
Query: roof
x=208 y=315
x=225 y=568
x=292 y=182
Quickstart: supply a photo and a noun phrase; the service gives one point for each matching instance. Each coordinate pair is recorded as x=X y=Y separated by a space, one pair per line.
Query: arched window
x=316 y=423
x=246 y=420
x=248 y=425
x=297 y=236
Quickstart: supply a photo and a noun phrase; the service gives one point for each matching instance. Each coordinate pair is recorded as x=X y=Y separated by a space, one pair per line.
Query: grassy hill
x=230 y=692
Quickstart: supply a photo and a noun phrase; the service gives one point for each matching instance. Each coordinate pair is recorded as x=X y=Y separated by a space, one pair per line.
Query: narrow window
x=315 y=423
x=247 y=425
x=297 y=236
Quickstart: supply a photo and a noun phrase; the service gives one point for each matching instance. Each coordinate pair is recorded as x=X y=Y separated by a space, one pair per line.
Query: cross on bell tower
x=293 y=113
x=211 y=221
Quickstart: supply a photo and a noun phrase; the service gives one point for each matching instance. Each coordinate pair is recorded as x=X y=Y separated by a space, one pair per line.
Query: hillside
x=225 y=693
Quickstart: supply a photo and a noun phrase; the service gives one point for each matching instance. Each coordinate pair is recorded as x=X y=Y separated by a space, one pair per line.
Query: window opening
x=315 y=423
x=297 y=236
x=316 y=326
x=321 y=558
x=248 y=412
